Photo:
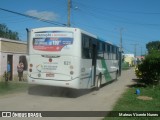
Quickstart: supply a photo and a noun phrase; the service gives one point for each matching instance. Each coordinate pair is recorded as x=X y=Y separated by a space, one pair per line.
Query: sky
x=138 y=20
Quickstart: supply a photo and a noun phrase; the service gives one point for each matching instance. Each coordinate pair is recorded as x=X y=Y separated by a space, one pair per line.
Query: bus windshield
x=53 y=41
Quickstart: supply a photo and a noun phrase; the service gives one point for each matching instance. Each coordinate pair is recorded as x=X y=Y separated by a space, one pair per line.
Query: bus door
x=94 y=57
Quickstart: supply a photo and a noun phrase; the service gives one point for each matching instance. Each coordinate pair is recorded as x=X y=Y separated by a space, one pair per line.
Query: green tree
x=7 y=33
x=149 y=70
x=154 y=45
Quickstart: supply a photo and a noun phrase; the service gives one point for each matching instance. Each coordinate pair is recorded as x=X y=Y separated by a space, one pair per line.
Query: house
x=129 y=58
x=140 y=57
x=12 y=51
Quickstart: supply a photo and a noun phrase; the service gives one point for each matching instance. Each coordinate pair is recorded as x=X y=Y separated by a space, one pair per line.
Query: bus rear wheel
x=116 y=75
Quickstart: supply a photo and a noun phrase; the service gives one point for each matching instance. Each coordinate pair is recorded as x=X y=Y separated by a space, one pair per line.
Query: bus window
x=109 y=51
x=100 y=50
x=55 y=41
x=117 y=53
x=106 y=54
x=86 y=47
x=114 y=52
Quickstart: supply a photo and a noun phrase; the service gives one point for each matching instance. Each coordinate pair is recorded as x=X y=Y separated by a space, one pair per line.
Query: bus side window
x=100 y=50
x=86 y=47
x=114 y=53
x=106 y=55
x=108 y=51
x=117 y=53
x=111 y=52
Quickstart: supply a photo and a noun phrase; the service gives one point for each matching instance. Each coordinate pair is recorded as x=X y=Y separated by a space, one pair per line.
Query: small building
x=129 y=58
x=140 y=57
x=12 y=51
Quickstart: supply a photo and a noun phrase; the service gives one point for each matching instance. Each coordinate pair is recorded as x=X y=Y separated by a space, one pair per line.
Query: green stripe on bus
x=106 y=73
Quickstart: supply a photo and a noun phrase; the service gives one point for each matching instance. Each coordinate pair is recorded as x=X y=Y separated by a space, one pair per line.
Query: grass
x=12 y=87
x=129 y=102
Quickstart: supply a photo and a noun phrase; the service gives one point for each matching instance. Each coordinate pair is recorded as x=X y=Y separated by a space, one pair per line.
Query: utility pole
x=135 y=49
x=69 y=13
x=120 y=54
x=121 y=49
x=135 y=52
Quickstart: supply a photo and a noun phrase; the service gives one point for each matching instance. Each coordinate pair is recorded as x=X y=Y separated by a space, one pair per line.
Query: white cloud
x=46 y=15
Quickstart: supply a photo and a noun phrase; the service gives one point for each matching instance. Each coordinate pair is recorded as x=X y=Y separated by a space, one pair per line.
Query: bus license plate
x=49 y=75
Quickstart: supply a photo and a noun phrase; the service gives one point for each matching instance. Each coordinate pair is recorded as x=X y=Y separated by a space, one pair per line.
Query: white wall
x=3 y=63
x=15 y=63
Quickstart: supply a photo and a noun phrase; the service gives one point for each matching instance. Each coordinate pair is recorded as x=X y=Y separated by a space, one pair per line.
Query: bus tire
x=116 y=75
x=98 y=82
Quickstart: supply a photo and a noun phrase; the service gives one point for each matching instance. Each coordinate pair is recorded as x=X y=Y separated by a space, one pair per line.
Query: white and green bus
x=71 y=58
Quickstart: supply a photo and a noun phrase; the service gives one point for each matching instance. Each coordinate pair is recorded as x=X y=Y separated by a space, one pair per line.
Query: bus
x=70 y=58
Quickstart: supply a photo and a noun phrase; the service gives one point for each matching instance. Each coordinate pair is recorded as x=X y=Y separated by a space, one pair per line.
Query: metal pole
x=121 y=39
x=69 y=13
x=120 y=60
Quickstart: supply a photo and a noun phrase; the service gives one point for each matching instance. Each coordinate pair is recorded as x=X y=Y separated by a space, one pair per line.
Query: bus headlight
x=50 y=59
x=71 y=67
x=71 y=72
x=30 y=70
x=31 y=65
x=39 y=75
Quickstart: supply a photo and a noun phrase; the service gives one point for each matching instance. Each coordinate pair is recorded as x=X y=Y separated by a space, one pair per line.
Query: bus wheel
x=116 y=75
x=98 y=83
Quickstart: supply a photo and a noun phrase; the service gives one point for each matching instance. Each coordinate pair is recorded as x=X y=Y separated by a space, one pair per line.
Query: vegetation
x=154 y=45
x=148 y=71
x=11 y=87
x=7 y=33
x=125 y=65
x=130 y=102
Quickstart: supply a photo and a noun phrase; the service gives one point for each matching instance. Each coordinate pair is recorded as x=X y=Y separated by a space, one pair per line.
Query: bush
x=137 y=72
x=149 y=70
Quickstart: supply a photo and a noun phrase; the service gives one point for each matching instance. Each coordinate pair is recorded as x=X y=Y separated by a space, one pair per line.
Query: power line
x=120 y=20
x=127 y=50
x=101 y=11
x=33 y=17
x=116 y=10
x=104 y=18
x=135 y=49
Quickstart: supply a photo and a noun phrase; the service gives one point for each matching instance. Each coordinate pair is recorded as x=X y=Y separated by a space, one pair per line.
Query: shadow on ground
x=61 y=92
x=137 y=83
x=56 y=91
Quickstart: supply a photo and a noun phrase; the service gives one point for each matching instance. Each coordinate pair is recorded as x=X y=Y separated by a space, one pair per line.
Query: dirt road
x=56 y=99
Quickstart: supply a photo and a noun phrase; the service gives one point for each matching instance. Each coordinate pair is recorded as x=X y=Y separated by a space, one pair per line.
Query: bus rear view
x=54 y=53
x=70 y=57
